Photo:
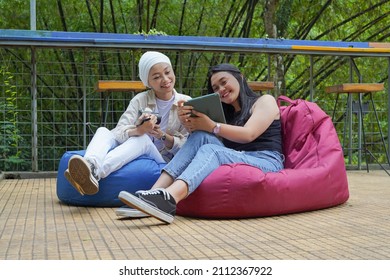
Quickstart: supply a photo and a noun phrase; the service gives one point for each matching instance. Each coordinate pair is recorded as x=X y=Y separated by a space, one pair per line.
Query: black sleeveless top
x=270 y=140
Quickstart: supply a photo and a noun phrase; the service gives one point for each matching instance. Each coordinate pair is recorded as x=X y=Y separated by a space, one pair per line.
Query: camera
x=148 y=111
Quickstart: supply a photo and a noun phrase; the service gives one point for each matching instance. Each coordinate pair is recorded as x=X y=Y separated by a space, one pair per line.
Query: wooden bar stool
x=360 y=89
x=106 y=87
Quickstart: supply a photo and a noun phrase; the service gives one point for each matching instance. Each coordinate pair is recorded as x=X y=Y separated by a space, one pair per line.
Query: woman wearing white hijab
x=135 y=135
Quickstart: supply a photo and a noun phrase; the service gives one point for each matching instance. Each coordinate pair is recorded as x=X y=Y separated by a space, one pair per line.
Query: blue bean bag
x=138 y=174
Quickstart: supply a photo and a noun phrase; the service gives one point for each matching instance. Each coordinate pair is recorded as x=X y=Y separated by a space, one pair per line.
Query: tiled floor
x=35 y=225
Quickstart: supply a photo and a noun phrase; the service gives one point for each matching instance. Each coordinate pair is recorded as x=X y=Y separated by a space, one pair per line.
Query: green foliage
x=60 y=72
x=151 y=32
x=9 y=132
x=283 y=17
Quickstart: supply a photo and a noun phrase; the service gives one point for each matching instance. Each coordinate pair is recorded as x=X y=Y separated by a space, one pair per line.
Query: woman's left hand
x=200 y=122
x=156 y=132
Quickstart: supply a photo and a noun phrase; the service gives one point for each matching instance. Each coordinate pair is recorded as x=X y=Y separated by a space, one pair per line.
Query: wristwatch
x=163 y=137
x=217 y=128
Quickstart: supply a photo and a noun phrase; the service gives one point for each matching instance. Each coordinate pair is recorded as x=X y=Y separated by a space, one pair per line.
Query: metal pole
x=388 y=109
x=311 y=79
x=84 y=101
x=269 y=72
x=350 y=119
x=360 y=115
x=33 y=15
x=34 y=111
x=181 y=73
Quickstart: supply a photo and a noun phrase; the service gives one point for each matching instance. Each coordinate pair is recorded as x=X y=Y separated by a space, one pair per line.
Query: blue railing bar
x=126 y=38
x=109 y=40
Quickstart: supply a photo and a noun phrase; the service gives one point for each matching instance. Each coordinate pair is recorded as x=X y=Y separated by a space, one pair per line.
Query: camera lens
x=158 y=119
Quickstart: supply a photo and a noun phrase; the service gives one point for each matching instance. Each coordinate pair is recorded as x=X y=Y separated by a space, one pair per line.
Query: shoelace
x=167 y=195
x=94 y=170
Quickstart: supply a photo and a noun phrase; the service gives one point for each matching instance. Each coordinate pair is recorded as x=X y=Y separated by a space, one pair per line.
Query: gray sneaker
x=127 y=212
x=157 y=203
x=82 y=173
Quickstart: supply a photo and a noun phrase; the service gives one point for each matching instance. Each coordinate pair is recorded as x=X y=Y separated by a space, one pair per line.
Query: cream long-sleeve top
x=147 y=99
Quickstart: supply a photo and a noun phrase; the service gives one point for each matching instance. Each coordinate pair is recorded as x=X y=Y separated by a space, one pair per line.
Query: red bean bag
x=314 y=176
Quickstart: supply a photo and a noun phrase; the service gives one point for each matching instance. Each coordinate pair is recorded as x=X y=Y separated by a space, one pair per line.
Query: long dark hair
x=246 y=97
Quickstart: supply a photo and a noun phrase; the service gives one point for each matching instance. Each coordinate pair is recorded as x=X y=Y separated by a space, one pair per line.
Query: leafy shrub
x=9 y=132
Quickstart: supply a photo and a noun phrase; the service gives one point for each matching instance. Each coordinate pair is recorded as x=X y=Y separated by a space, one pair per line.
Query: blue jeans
x=204 y=152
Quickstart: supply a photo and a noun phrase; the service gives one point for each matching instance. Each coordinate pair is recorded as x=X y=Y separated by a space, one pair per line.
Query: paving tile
x=35 y=226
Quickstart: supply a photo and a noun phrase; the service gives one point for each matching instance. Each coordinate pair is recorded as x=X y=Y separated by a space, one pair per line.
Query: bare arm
x=264 y=112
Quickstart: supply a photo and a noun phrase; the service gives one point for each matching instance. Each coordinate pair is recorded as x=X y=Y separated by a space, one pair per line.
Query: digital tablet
x=210 y=105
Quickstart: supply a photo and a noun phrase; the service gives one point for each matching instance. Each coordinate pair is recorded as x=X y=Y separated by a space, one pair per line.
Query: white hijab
x=147 y=61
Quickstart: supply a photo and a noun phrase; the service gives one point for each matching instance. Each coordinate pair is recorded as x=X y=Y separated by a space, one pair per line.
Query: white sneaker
x=81 y=172
x=127 y=212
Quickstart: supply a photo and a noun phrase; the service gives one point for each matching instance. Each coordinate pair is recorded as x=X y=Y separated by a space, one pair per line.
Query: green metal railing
x=56 y=76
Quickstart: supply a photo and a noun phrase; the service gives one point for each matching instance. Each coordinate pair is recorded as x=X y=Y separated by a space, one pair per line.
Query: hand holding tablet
x=209 y=105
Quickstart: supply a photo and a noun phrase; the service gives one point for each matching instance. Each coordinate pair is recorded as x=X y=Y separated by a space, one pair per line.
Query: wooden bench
x=108 y=86
x=137 y=86
x=358 y=88
x=113 y=86
x=355 y=88
x=261 y=86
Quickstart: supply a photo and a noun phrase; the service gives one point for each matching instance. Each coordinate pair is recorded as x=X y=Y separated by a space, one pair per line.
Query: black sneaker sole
x=135 y=202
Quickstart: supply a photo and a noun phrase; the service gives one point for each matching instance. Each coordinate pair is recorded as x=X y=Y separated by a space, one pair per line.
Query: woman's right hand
x=200 y=121
x=146 y=123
